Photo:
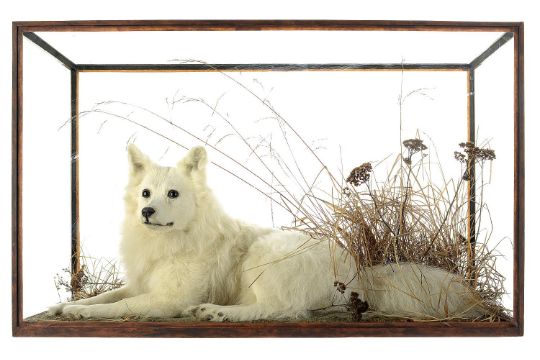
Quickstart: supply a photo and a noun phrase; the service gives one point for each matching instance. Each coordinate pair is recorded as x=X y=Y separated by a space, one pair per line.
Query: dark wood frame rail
x=20 y=327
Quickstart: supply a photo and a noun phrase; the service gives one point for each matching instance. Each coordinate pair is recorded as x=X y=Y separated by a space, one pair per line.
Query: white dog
x=184 y=256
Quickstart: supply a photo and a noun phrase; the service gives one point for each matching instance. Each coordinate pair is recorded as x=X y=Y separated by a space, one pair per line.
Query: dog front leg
x=144 y=305
x=105 y=298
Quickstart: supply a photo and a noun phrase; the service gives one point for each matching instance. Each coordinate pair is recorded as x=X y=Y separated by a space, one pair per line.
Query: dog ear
x=138 y=162
x=194 y=163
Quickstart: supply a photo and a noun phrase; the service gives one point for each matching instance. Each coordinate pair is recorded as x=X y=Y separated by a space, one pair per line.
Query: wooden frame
x=20 y=327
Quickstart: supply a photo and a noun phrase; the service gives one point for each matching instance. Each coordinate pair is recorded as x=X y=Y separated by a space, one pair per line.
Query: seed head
x=341 y=287
x=486 y=154
x=414 y=145
x=360 y=174
x=356 y=306
x=462 y=158
x=473 y=153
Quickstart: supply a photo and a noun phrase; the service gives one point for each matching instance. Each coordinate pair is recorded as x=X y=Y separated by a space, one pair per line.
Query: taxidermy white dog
x=184 y=256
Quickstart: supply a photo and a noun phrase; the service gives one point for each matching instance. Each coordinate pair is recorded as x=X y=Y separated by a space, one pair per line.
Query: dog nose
x=147 y=212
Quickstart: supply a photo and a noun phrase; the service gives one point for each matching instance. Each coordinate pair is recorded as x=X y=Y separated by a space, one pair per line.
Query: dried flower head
x=360 y=174
x=462 y=158
x=357 y=306
x=472 y=154
x=414 y=145
x=476 y=153
x=486 y=154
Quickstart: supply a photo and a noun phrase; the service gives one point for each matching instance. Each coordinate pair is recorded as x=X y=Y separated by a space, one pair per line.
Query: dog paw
x=56 y=309
x=77 y=311
x=209 y=312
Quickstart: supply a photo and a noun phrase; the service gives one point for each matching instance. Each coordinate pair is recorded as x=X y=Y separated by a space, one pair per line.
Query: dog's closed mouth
x=155 y=224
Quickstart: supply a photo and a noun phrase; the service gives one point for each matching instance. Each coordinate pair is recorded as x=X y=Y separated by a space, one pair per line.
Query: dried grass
x=408 y=218
x=95 y=276
x=405 y=218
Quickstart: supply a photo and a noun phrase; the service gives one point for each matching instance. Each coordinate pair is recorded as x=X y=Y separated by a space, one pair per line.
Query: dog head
x=164 y=198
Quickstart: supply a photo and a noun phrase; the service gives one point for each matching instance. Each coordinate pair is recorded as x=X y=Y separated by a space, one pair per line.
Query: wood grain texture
x=16 y=210
x=471 y=169
x=51 y=50
x=262 y=25
x=490 y=50
x=519 y=177
x=74 y=128
x=264 y=329
x=268 y=67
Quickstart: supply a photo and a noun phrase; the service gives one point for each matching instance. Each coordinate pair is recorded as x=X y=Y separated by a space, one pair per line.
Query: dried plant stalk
x=408 y=218
x=405 y=218
x=96 y=276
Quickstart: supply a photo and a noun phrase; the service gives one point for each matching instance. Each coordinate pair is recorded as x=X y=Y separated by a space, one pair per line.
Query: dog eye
x=173 y=194
x=146 y=193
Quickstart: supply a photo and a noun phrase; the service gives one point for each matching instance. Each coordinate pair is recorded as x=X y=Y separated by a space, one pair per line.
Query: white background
x=348 y=117
x=269 y=348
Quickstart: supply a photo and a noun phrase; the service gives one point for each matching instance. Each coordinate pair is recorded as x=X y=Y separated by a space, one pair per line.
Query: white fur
x=220 y=269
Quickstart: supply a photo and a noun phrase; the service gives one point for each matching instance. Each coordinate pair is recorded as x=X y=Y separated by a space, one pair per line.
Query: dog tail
x=418 y=291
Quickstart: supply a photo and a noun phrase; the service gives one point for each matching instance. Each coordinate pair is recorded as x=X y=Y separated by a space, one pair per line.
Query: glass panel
x=46 y=177
x=288 y=149
x=494 y=100
x=357 y=121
